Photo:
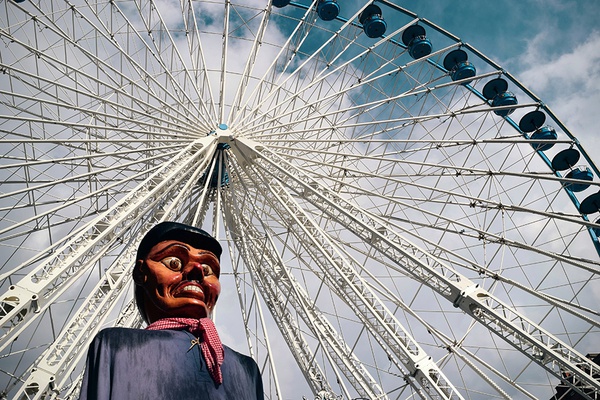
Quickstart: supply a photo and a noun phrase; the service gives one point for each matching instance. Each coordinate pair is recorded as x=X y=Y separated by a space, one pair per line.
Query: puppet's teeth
x=193 y=288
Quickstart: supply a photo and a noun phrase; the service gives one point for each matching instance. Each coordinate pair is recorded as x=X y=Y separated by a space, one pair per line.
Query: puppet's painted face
x=179 y=281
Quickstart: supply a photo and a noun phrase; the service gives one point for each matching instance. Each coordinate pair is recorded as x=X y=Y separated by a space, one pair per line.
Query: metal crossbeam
x=275 y=270
x=349 y=285
x=517 y=330
x=253 y=255
x=146 y=204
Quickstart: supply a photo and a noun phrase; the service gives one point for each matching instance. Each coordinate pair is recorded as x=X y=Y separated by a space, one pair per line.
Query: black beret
x=176 y=231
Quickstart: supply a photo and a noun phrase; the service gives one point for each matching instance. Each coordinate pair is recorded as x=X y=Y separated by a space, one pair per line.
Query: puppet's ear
x=139 y=272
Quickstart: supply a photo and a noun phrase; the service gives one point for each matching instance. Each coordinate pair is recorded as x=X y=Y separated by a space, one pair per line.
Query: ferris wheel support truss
x=268 y=266
x=344 y=280
x=273 y=298
x=25 y=300
x=51 y=371
x=524 y=335
x=271 y=375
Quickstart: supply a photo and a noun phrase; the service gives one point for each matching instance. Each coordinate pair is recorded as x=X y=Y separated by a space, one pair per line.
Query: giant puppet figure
x=179 y=355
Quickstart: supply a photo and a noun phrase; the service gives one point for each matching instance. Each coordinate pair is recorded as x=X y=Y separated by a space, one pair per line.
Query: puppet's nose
x=194 y=271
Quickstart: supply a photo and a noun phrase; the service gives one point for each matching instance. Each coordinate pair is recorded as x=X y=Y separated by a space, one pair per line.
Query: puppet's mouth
x=193 y=288
x=189 y=288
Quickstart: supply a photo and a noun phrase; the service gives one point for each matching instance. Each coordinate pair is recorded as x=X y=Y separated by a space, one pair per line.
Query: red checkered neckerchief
x=208 y=340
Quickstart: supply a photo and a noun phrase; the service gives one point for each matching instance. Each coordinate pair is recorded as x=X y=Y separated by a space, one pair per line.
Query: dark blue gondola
x=464 y=70
x=582 y=174
x=544 y=133
x=280 y=3
x=372 y=21
x=590 y=205
x=496 y=90
x=532 y=121
x=415 y=38
x=328 y=10
x=458 y=67
x=565 y=159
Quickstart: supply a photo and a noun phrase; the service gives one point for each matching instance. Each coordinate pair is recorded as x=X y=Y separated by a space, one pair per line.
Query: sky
x=551 y=46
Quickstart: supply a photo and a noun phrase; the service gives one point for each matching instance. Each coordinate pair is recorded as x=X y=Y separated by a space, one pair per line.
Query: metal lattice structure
x=398 y=220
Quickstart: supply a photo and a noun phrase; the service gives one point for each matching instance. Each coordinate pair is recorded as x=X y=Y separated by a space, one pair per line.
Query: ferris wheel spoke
x=59 y=359
x=50 y=279
x=249 y=68
x=67 y=105
x=224 y=57
x=198 y=60
x=63 y=205
x=482 y=202
x=167 y=52
x=105 y=290
x=76 y=181
x=564 y=304
x=354 y=111
x=567 y=304
x=141 y=71
x=458 y=259
x=311 y=369
x=205 y=195
x=459 y=290
x=276 y=266
x=284 y=320
x=343 y=280
x=448 y=171
x=339 y=353
x=95 y=157
x=358 y=188
x=305 y=66
x=265 y=82
x=452 y=345
x=251 y=309
x=107 y=119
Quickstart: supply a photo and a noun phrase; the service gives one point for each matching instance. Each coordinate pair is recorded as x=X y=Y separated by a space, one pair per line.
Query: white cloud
x=569 y=84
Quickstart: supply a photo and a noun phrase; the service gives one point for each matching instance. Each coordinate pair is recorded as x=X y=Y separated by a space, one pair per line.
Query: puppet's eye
x=207 y=269
x=173 y=263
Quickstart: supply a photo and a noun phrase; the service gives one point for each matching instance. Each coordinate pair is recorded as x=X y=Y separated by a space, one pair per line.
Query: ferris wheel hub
x=223 y=133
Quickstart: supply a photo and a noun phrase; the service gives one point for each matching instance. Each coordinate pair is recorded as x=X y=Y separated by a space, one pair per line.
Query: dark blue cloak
x=129 y=364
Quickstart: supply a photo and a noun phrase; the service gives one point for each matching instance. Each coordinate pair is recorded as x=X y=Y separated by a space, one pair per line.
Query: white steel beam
x=46 y=19
x=241 y=234
x=344 y=280
x=287 y=46
x=274 y=269
x=304 y=62
x=249 y=68
x=198 y=60
x=224 y=56
x=58 y=361
x=24 y=301
x=159 y=32
x=533 y=341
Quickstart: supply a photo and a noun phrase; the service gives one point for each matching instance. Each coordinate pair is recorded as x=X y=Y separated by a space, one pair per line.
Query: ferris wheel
x=401 y=217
